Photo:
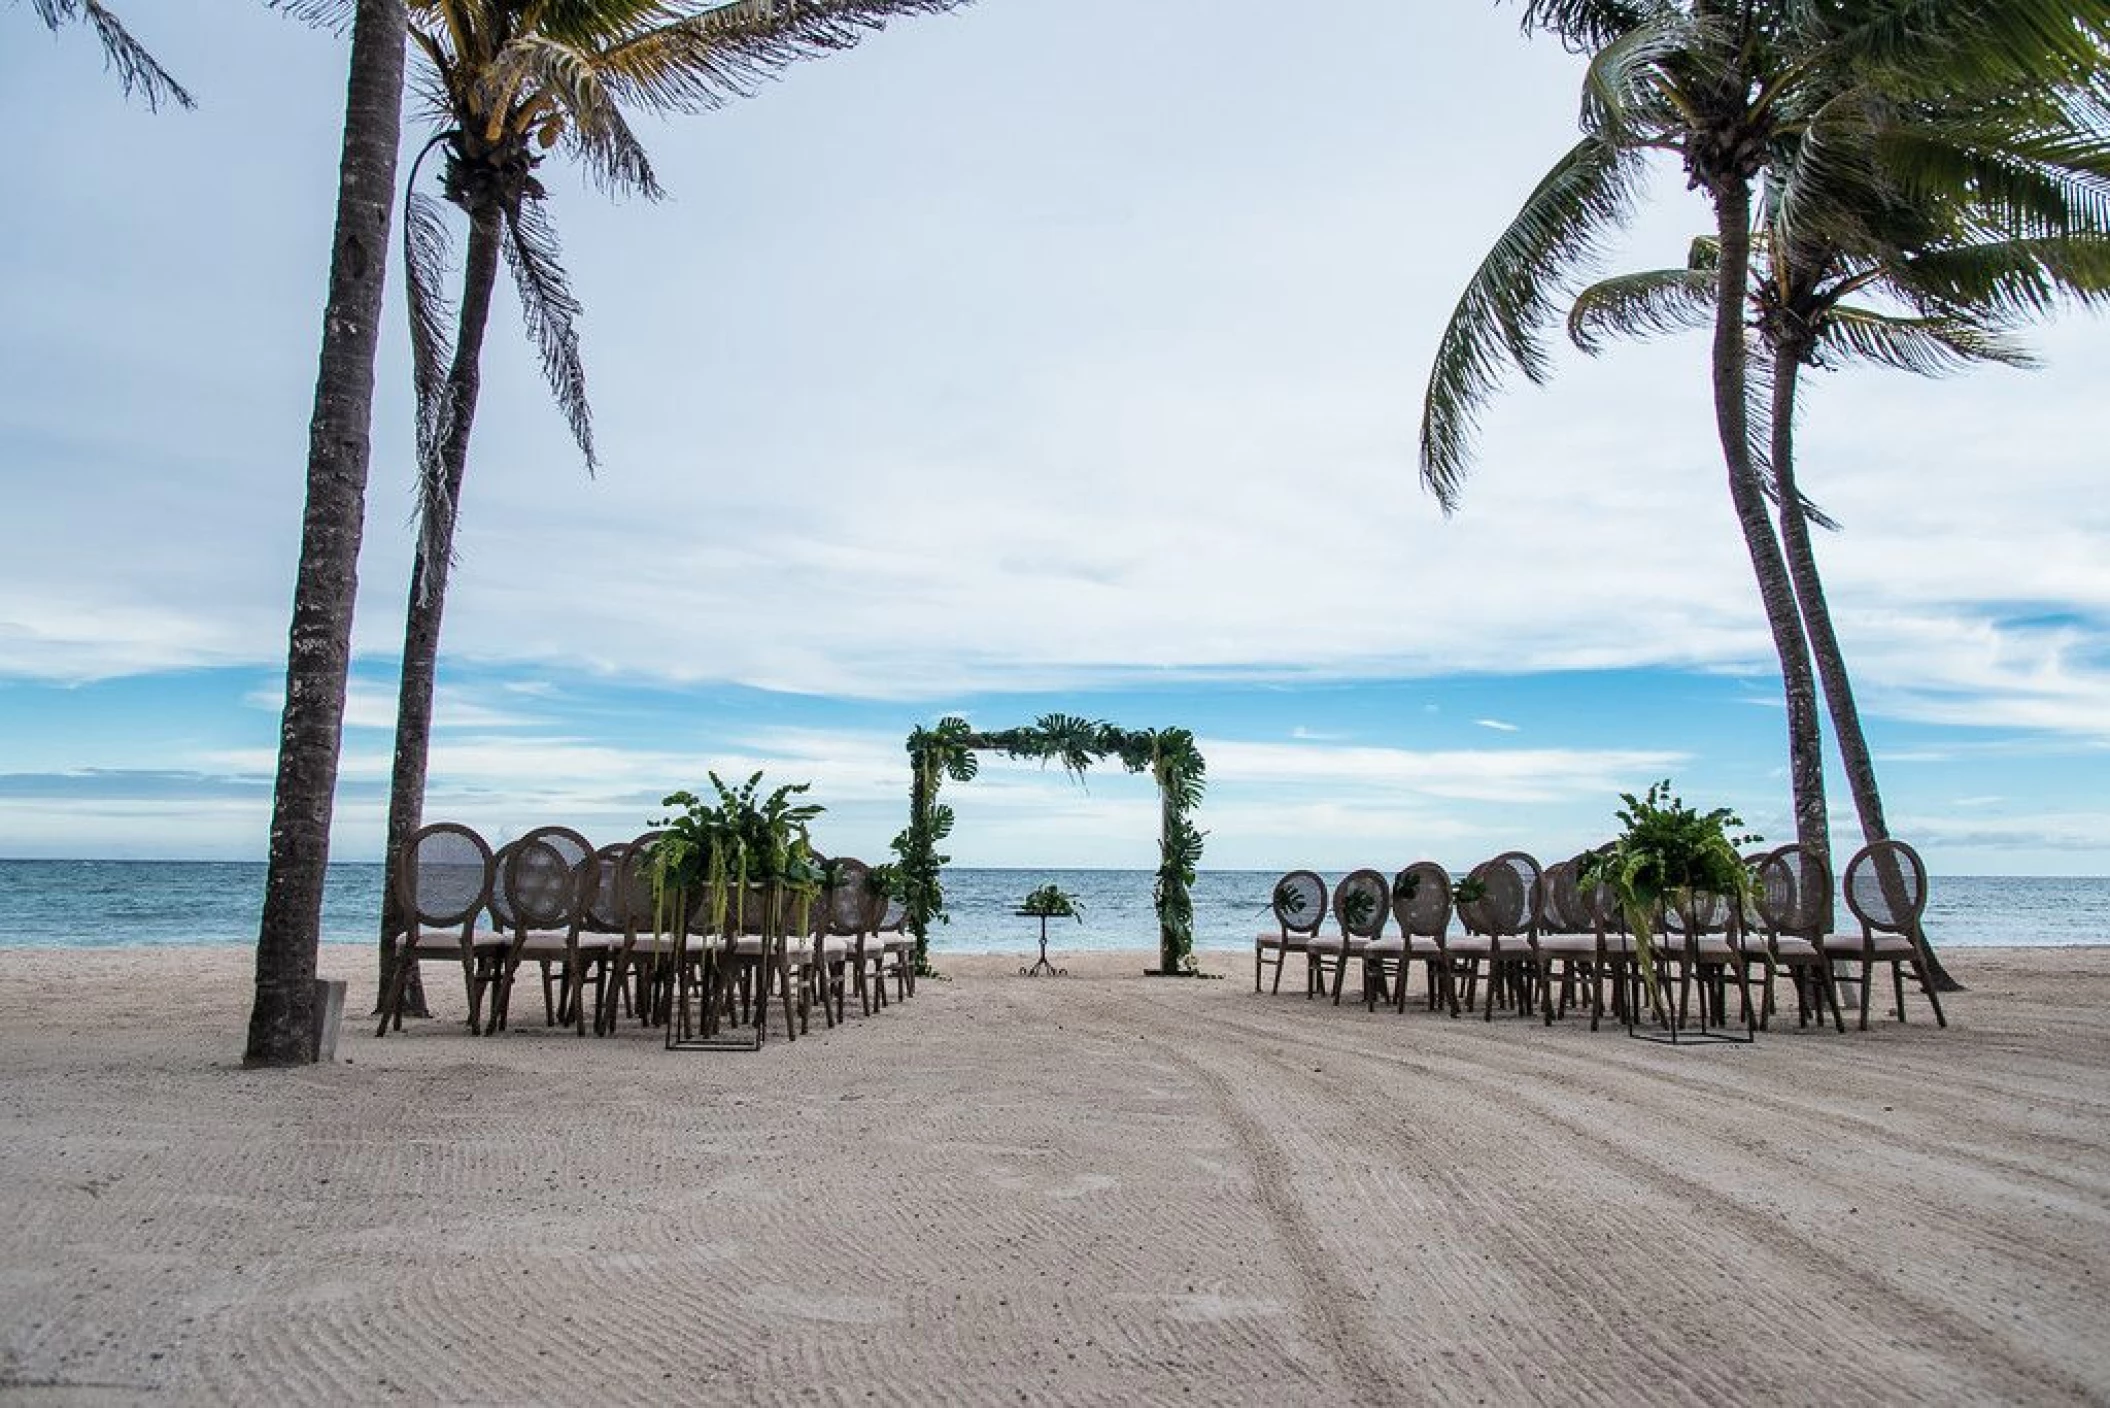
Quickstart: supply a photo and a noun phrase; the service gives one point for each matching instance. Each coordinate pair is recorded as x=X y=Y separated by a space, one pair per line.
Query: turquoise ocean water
x=112 y=903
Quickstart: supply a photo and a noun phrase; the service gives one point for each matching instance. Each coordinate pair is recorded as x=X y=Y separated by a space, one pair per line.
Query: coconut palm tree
x=318 y=655
x=1718 y=84
x=507 y=81
x=1965 y=215
x=137 y=70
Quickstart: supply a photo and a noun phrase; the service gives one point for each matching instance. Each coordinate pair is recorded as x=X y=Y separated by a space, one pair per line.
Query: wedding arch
x=949 y=751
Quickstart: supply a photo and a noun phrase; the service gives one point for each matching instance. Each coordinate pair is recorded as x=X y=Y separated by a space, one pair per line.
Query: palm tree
x=1718 y=84
x=318 y=655
x=508 y=81
x=1969 y=215
x=136 y=68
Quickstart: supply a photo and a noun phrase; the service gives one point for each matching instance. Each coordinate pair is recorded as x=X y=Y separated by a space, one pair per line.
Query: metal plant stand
x=1040 y=965
x=1669 y=1027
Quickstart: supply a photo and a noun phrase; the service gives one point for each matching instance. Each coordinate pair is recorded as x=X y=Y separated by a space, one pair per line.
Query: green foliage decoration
x=713 y=848
x=1665 y=853
x=947 y=751
x=1407 y=884
x=1052 y=902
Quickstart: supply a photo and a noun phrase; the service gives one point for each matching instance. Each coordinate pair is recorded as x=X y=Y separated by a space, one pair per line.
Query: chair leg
x=1897 y=983
x=1919 y=970
x=1866 y=968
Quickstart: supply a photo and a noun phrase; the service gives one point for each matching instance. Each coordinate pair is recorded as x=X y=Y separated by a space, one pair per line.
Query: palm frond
x=1585 y=26
x=2003 y=191
x=1625 y=76
x=1510 y=299
x=569 y=77
x=2011 y=278
x=1641 y=305
x=1811 y=513
x=551 y=310
x=333 y=15
x=1937 y=48
x=426 y=249
x=703 y=61
x=1923 y=346
x=137 y=70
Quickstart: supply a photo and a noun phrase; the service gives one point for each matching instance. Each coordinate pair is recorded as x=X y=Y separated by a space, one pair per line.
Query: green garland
x=948 y=751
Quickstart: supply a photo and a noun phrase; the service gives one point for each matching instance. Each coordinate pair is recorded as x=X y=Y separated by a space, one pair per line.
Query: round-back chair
x=1298 y=902
x=1507 y=908
x=443 y=881
x=1886 y=888
x=1421 y=900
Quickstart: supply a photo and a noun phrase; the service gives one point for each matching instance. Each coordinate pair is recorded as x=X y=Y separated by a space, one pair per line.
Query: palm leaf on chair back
x=1299 y=902
x=1421 y=900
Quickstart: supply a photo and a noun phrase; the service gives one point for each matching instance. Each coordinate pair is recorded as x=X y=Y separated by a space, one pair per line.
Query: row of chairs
x=589 y=919
x=1536 y=938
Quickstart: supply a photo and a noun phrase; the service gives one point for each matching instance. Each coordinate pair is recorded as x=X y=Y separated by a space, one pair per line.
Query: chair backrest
x=893 y=918
x=1700 y=912
x=605 y=907
x=1421 y=900
x=639 y=906
x=1886 y=887
x=850 y=904
x=1600 y=902
x=546 y=877
x=501 y=903
x=1361 y=903
x=1510 y=902
x=444 y=875
x=1299 y=902
x=1794 y=886
x=1563 y=910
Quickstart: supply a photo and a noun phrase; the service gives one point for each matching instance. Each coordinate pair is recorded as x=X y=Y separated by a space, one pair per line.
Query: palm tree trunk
x=1731 y=365
x=318 y=655
x=428 y=577
x=1824 y=641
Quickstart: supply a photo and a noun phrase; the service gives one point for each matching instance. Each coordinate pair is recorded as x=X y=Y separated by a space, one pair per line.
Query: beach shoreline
x=1098 y=1188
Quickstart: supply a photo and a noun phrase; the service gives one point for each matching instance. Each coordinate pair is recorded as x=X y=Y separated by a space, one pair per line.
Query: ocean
x=117 y=903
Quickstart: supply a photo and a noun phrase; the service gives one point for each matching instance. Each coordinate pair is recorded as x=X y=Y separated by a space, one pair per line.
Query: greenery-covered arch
x=948 y=751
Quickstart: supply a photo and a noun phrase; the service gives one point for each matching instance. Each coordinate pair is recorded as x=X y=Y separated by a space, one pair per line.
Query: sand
x=1102 y=1189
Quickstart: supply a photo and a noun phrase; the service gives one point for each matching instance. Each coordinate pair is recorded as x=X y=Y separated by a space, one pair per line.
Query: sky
x=1052 y=355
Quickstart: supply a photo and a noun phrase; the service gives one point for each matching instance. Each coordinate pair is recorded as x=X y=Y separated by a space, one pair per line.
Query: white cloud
x=1497 y=725
x=1020 y=404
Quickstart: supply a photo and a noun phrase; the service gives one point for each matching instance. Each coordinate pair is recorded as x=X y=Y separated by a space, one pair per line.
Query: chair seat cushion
x=1851 y=945
x=443 y=943
x=1333 y=943
x=552 y=944
x=750 y=946
x=1274 y=939
x=1791 y=948
x=1468 y=946
x=1568 y=945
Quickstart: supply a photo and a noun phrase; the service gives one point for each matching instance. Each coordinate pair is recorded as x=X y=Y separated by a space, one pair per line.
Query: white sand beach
x=1097 y=1189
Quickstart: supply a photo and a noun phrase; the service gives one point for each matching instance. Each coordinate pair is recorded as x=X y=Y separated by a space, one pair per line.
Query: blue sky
x=1055 y=355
